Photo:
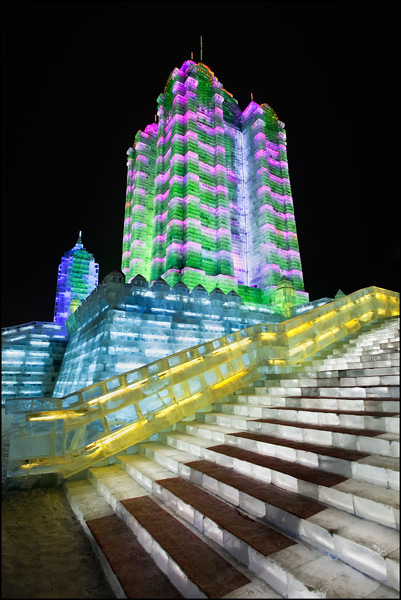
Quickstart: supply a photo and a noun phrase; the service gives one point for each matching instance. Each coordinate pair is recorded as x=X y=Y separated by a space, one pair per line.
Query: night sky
x=80 y=78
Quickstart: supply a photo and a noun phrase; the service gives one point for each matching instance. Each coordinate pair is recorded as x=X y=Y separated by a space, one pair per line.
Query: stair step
x=366 y=500
x=327 y=391
x=377 y=441
x=382 y=405
x=340 y=373
x=136 y=572
x=363 y=466
x=204 y=570
x=318 y=365
x=387 y=422
x=114 y=484
x=275 y=506
x=366 y=382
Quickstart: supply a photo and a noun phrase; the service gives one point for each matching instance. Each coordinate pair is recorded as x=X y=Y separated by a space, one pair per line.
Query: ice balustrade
x=108 y=417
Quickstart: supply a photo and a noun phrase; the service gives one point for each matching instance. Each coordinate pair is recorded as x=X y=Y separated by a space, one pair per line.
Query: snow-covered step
x=362 y=466
x=303 y=520
x=375 y=503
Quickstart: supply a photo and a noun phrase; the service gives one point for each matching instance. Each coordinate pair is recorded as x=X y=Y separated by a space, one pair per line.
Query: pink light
x=162 y=197
x=159 y=239
x=174 y=247
x=278 y=214
x=194 y=246
x=260 y=136
x=281 y=251
x=162 y=177
x=174 y=222
x=252 y=106
x=162 y=217
x=151 y=129
x=261 y=152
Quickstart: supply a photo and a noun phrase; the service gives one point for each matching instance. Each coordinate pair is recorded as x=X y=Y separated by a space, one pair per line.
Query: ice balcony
x=99 y=421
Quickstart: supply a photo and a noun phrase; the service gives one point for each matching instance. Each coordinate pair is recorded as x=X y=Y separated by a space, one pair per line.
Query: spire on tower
x=201 y=49
x=79 y=238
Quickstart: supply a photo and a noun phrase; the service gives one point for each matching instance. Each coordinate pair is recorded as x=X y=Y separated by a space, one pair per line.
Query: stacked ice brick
x=123 y=326
x=31 y=356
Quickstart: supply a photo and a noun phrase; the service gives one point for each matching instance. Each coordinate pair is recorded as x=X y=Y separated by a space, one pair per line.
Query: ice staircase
x=288 y=488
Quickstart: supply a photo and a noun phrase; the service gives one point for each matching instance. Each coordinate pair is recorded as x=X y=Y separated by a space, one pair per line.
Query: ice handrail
x=110 y=416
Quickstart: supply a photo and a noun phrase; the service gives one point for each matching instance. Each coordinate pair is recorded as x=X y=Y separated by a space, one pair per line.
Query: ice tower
x=208 y=194
x=77 y=278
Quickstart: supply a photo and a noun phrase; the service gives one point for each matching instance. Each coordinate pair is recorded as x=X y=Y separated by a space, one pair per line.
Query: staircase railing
x=108 y=417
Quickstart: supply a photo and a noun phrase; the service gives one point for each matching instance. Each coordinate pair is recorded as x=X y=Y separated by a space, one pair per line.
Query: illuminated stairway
x=286 y=488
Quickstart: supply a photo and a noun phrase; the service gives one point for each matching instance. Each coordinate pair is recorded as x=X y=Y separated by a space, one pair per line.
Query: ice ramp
x=106 y=418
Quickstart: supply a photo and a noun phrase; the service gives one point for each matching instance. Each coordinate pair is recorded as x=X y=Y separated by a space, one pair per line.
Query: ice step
x=363 y=361
x=191 y=565
x=375 y=503
x=320 y=365
x=377 y=441
x=130 y=570
x=343 y=381
x=345 y=389
x=241 y=536
x=349 y=463
x=376 y=371
x=383 y=405
x=386 y=422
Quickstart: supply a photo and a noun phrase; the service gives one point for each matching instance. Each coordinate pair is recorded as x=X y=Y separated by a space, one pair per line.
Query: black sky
x=80 y=78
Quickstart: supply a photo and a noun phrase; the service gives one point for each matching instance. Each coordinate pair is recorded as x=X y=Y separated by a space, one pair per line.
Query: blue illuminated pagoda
x=78 y=276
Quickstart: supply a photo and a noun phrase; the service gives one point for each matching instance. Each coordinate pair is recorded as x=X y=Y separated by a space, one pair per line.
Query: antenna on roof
x=200 y=48
x=251 y=95
x=192 y=55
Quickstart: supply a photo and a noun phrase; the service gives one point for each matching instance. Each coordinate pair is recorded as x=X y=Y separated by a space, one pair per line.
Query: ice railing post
x=108 y=417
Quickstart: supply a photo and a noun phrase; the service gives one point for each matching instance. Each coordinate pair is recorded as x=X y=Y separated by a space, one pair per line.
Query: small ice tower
x=78 y=275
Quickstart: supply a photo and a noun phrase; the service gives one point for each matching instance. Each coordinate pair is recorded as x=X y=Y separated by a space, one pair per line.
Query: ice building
x=208 y=194
x=31 y=356
x=122 y=326
x=78 y=275
x=32 y=352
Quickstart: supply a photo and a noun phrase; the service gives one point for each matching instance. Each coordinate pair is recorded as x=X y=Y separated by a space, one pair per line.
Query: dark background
x=80 y=78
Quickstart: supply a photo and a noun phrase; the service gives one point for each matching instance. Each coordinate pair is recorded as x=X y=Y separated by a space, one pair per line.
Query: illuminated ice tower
x=77 y=278
x=208 y=194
